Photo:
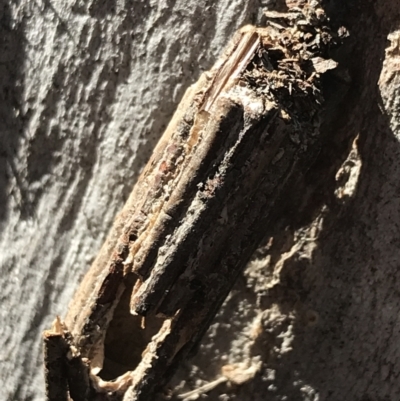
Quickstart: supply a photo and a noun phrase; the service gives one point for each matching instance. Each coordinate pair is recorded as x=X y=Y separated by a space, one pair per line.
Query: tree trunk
x=87 y=88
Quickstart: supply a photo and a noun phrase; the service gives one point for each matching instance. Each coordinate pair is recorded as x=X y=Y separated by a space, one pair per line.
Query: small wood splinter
x=240 y=139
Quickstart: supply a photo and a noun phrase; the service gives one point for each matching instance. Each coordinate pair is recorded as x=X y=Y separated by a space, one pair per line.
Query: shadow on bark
x=12 y=57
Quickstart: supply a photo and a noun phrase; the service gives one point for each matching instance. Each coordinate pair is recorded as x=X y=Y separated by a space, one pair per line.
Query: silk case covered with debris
x=238 y=142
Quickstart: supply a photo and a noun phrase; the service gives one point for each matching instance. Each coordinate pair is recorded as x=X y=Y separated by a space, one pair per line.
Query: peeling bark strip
x=240 y=138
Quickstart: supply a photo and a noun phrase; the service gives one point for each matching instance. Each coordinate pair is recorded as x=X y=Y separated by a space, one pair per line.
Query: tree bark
x=86 y=89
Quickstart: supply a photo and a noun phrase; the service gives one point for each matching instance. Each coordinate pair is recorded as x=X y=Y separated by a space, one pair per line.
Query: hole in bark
x=125 y=340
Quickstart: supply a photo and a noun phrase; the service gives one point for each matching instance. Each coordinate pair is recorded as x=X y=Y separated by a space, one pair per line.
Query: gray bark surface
x=86 y=89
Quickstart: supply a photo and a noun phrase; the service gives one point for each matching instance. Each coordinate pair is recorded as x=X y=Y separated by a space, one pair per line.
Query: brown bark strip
x=66 y=373
x=238 y=142
x=55 y=351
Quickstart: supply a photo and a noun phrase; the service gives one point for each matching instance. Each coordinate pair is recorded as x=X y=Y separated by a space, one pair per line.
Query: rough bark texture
x=86 y=89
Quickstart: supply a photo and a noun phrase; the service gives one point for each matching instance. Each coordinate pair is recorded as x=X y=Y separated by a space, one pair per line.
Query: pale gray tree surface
x=86 y=89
